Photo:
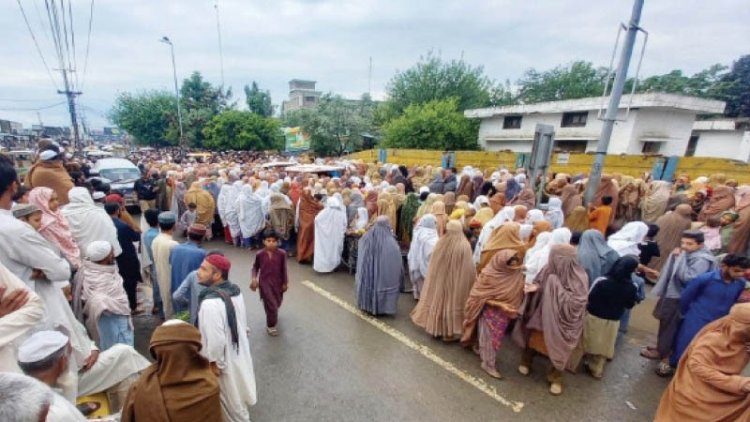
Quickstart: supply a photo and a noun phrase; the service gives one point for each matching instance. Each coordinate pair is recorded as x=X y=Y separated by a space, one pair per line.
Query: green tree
x=734 y=88
x=434 y=79
x=259 y=102
x=149 y=117
x=242 y=130
x=700 y=84
x=335 y=125
x=578 y=80
x=200 y=103
x=435 y=125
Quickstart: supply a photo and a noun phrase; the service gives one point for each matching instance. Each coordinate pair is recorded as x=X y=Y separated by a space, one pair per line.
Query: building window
x=651 y=147
x=571 y=146
x=310 y=99
x=692 y=146
x=574 y=119
x=512 y=122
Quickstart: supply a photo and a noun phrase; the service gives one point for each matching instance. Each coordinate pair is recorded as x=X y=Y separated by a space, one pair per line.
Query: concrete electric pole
x=614 y=101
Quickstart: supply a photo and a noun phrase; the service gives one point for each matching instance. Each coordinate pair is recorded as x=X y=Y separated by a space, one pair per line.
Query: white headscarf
x=424 y=239
x=538 y=257
x=89 y=223
x=251 y=216
x=330 y=228
x=533 y=216
x=626 y=240
x=554 y=212
x=362 y=218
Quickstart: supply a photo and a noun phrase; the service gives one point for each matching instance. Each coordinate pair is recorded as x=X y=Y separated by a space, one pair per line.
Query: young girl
x=711 y=231
x=269 y=273
x=726 y=221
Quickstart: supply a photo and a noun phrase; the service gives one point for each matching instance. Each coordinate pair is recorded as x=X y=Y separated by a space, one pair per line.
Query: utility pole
x=369 y=79
x=71 y=95
x=614 y=101
x=221 y=50
x=166 y=40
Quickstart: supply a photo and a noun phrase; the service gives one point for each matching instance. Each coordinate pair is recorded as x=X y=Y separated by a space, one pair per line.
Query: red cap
x=220 y=262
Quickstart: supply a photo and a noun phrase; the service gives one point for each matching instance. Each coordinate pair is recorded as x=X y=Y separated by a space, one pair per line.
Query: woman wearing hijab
x=629 y=201
x=438 y=210
x=379 y=270
x=484 y=215
x=505 y=215
x=478 y=181
x=357 y=202
x=607 y=187
x=506 y=236
x=87 y=222
x=526 y=198
x=537 y=258
x=512 y=189
x=626 y=240
x=497 y=202
x=577 y=220
x=179 y=385
x=54 y=226
x=425 y=237
x=594 y=255
x=450 y=276
x=493 y=302
x=330 y=228
x=222 y=206
x=671 y=227
x=609 y=298
x=571 y=198
x=654 y=204
x=722 y=199
x=232 y=212
x=554 y=212
x=709 y=384
x=449 y=199
x=465 y=186
x=308 y=208
x=281 y=219
x=551 y=320
x=741 y=232
x=206 y=205
x=387 y=207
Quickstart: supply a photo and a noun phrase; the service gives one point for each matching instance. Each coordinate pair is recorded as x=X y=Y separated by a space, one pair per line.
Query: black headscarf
x=623 y=268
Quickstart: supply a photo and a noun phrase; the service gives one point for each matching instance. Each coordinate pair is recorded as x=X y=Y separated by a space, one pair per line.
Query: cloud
x=331 y=42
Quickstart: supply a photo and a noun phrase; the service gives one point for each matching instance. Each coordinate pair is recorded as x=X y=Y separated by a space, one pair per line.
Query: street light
x=166 y=40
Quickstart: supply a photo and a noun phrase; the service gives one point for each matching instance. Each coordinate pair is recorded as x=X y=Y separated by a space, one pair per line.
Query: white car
x=121 y=175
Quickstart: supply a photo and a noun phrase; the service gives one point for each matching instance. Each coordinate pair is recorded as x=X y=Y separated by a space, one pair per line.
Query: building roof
x=648 y=100
x=307 y=81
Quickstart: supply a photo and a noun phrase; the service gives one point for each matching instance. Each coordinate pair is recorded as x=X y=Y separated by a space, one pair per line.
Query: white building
x=723 y=138
x=647 y=123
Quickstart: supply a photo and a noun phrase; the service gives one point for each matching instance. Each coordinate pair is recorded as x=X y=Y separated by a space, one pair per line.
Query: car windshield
x=120 y=175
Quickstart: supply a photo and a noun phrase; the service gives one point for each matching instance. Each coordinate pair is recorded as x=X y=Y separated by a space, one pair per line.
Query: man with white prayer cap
x=50 y=357
x=45 y=357
x=26 y=399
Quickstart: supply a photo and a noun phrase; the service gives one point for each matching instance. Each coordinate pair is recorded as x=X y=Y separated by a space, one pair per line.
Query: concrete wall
x=732 y=144
x=575 y=163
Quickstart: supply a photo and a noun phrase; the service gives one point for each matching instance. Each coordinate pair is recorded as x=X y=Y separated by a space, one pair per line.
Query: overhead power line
x=88 y=44
x=36 y=44
x=33 y=109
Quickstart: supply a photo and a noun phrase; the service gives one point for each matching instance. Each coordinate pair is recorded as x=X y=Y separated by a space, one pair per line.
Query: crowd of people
x=482 y=254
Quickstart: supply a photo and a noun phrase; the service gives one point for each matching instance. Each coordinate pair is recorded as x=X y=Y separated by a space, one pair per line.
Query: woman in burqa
x=709 y=384
x=594 y=255
x=450 y=276
x=671 y=226
x=551 y=319
x=654 y=204
x=571 y=198
x=379 y=270
x=493 y=302
x=741 y=233
x=722 y=199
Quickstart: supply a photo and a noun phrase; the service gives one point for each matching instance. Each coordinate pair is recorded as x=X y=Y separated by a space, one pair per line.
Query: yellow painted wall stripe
x=423 y=350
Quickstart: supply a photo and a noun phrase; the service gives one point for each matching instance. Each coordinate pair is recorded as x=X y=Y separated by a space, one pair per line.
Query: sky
x=331 y=41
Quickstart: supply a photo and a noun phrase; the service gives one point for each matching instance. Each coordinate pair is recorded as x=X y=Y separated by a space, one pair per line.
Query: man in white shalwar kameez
x=18 y=322
x=222 y=321
x=161 y=249
x=330 y=228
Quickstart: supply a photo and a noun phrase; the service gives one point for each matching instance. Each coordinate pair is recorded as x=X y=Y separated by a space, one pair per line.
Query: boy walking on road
x=269 y=273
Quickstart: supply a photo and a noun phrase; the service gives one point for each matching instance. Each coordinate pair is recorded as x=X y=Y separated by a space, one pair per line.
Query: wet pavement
x=329 y=363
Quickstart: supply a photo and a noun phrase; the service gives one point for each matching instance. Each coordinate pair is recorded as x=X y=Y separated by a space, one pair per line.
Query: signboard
x=295 y=140
x=563 y=158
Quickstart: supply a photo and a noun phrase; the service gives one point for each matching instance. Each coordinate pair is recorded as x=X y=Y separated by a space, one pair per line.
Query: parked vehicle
x=121 y=175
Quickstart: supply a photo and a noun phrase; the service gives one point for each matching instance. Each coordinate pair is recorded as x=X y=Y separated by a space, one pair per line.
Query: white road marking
x=423 y=350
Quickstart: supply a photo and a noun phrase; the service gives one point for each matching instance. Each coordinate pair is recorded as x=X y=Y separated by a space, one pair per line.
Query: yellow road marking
x=423 y=350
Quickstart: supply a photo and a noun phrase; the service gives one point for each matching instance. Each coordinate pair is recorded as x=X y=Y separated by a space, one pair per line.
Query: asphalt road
x=331 y=363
